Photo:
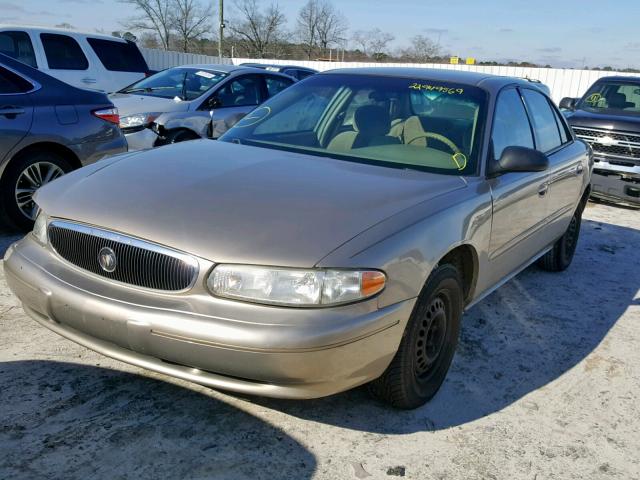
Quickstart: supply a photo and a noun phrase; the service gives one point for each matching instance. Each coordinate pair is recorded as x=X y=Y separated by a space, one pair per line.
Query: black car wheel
x=428 y=345
x=21 y=180
x=561 y=255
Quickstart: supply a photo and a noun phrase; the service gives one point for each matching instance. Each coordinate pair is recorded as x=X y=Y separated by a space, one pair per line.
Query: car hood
x=583 y=118
x=129 y=104
x=233 y=203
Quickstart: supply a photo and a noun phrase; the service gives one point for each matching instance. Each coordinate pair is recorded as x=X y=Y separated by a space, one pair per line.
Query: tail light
x=108 y=115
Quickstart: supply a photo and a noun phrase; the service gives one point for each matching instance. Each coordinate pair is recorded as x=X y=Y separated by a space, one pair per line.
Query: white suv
x=84 y=60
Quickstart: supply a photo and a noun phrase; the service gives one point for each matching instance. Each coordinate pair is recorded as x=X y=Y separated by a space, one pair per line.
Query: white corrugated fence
x=563 y=82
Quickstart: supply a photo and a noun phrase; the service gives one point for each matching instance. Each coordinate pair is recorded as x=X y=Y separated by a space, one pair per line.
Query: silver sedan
x=332 y=238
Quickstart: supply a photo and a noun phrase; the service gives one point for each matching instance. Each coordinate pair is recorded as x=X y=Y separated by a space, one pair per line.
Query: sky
x=563 y=33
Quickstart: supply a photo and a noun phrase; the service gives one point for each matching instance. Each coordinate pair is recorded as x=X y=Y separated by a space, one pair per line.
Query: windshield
x=401 y=122
x=183 y=83
x=614 y=97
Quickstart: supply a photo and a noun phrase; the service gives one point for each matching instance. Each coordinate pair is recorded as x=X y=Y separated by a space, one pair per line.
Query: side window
x=10 y=83
x=243 y=91
x=302 y=115
x=276 y=85
x=562 y=126
x=302 y=74
x=18 y=45
x=118 y=56
x=510 y=125
x=543 y=119
x=63 y=52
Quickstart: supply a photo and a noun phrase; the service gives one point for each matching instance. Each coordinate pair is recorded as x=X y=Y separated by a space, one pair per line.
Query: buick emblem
x=107 y=259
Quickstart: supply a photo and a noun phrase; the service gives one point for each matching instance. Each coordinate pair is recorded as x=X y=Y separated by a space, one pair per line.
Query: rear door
x=16 y=110
x=567 y=160
x=122 y=61
x=66 y=60
x=520 y=200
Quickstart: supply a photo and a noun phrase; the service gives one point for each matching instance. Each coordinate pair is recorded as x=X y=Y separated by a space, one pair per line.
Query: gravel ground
x=545 y=385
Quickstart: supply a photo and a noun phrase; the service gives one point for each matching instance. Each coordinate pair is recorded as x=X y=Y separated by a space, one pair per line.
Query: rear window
x=10 y=83
x=63 y=52
x=118 y=56
x=18 y=45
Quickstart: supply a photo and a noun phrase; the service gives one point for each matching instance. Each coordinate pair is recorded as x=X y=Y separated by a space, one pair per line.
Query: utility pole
x=221 y=29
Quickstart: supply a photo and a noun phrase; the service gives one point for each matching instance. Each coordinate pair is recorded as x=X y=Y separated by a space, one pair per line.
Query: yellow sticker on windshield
x=460 y=159
x=594 y=98
x=436 y=88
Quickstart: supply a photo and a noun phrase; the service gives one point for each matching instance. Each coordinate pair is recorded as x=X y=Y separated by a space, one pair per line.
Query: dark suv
x=608 y=118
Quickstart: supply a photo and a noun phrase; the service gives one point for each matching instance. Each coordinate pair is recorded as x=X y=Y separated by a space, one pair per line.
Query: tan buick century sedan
x=332 y=238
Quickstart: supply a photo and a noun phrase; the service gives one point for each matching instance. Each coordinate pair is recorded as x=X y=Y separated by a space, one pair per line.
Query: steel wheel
x=431 y=337
x=32 y=178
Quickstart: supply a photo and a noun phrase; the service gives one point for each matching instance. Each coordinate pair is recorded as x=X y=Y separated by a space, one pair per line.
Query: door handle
x=543 y=189
x=89 y=80
x=11 y=111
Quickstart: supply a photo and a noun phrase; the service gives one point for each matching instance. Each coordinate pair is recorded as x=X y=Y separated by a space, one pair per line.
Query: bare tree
x=332 y=26
x=422 y=49
x=191 y=21
x=307 y=26
x=373 y=42
x=155 y=16
x=257 y=29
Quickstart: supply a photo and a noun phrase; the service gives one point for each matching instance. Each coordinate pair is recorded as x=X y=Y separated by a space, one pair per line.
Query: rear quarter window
x=18 y=45
x=118 y=56
x=63 y=52
x=10 y=83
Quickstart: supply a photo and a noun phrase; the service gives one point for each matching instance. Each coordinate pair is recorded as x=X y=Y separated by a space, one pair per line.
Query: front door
x=520 y=199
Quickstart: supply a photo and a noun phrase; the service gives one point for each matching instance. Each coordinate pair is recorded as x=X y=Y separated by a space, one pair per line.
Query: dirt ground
x=545 y=385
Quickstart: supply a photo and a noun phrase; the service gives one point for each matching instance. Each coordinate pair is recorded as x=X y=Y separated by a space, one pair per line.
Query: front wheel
x=561 y=255
x=23 y=177
x=429 y=342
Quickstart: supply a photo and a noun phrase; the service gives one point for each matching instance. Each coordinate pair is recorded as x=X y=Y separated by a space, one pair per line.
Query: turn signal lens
x=372 y=283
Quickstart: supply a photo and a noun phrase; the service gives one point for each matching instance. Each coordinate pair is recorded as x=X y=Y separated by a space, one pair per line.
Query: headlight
x=40 y=228
x=138 y=120
x=293 y=287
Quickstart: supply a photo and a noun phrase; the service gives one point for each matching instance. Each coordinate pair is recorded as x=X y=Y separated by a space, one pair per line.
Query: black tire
x=177 y=136
x=12 y=179
x=561 y=255
x=425 y=353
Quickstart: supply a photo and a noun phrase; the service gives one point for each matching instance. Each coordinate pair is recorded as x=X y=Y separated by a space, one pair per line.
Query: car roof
x=484 y=80
x=619 y=78
x=276 y=65
x=39 y=29
x=226 y=68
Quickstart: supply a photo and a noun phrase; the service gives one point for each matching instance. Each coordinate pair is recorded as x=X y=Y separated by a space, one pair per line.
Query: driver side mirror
x=568 y=103
x=519 y=159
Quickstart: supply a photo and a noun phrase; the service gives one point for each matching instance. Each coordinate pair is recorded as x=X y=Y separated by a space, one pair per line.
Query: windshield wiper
x=145 y=89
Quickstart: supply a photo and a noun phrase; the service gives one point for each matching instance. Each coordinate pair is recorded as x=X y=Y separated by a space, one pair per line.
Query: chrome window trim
x=127 y=240
x=36 y=86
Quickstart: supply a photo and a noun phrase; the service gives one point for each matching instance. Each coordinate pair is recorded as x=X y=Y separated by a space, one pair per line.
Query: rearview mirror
x=519 y=159
x=568 y=103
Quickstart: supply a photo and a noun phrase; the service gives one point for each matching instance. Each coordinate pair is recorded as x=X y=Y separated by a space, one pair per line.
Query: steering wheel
x=438 y=137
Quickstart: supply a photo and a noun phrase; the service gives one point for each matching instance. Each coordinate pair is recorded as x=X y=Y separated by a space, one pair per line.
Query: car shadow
x=519 y=339
x=7 y=237
x=64 y=420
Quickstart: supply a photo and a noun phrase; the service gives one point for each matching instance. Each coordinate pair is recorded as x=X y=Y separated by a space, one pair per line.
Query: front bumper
x=617 y=183
x=269 y=351
x=141 y=140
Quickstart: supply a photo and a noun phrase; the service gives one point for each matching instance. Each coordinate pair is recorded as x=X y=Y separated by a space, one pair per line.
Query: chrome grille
x=609 y=143
x=139 y=263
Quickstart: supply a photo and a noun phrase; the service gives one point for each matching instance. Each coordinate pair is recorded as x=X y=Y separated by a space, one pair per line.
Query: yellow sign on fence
x=454 y=60
x=471 y=61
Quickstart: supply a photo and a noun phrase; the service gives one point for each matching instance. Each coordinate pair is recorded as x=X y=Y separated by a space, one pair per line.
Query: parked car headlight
x=40 y=228
x=138 y=120
x=294 y=287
